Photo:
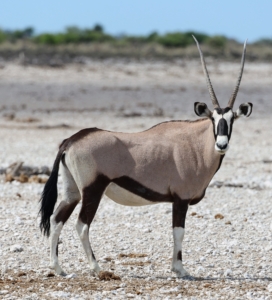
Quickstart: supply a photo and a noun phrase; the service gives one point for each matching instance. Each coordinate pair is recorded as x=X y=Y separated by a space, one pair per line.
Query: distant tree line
x=96 y=35
x=75 y=35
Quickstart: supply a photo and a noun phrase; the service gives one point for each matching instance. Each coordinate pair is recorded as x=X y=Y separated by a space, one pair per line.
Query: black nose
x=222 y=147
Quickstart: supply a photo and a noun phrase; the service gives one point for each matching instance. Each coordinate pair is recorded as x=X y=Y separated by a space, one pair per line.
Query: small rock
x=59 y=294
x=3 y=292
x=148 y=278
x=200 y=270
x=73 y=275
x=269 y=287
x=16 y=248
x=246 y=275
x=228 y=223
x=228 y=272
x=268 y=248
x=60 y=284
x=18 y=221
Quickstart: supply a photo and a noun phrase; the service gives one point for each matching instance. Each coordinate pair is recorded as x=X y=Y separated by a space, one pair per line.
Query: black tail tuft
x=49 y=197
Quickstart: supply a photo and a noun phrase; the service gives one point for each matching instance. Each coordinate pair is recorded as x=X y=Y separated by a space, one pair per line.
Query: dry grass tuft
x=24 y=174
x=219 y=216
x=108 y=258
x=132 y=255
x=105 y=275
x=27 y=120
x=37 y=179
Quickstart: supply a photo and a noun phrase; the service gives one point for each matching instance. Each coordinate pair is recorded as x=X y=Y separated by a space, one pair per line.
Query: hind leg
x=91 y=198
x=71 y=198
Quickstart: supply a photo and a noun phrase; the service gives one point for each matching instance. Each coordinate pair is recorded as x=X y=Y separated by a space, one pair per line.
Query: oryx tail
x=50 y=195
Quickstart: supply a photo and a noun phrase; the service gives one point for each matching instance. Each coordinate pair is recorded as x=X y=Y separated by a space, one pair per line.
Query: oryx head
x=222 y=118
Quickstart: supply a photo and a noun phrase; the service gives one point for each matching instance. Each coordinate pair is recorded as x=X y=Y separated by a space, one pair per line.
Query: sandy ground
x=230 y=257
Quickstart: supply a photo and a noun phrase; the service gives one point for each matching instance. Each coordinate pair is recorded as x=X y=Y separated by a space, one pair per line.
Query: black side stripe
x=138 y=189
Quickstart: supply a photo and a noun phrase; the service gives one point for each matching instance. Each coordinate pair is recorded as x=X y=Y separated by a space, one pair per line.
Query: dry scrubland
x=230 y=256
x=30 y=53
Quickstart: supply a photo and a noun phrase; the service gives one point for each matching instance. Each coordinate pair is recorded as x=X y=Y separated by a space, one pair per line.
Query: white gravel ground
x=230 y=258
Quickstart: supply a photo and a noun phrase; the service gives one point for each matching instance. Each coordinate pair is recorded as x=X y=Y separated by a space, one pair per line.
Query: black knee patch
x=179 y=256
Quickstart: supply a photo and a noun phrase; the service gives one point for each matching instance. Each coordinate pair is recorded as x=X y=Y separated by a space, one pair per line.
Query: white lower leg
x=54 y=238
x=83 y=233
x=178 y=235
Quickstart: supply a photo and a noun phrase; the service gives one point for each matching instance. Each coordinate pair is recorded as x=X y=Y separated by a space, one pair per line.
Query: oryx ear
x=202 y=110
x=244 y=109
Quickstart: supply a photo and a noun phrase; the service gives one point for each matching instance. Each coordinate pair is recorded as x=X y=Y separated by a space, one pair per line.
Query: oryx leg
x=91 y=197
x=71 y=198
x=180 y=208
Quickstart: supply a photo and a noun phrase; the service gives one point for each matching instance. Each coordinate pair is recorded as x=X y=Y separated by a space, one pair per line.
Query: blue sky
x=239 y=19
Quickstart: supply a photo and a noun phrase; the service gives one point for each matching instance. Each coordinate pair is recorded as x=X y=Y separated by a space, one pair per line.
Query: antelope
x=171 y=162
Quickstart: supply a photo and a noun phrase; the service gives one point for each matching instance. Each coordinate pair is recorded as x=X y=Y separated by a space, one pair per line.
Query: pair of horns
x=209 y=84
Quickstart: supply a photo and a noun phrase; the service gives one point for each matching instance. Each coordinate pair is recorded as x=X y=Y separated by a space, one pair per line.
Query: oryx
x=171 y=162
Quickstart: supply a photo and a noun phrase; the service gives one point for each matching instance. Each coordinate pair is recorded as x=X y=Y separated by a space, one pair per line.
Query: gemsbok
x=171 y=162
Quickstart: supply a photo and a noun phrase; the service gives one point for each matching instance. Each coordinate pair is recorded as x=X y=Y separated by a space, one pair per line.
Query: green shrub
x=176 y=39
x=95 y=36
x=15 y=35
x=217 y=41
x=179 y=39
x=2 y=36
x=73 y=35
x=152 y=37
x=98 y=28
x=49 y=39
x=76 y=35
x=201 y=37
x=266 y=42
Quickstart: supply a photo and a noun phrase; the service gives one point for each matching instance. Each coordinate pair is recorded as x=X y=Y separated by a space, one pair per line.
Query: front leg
x=180 y=208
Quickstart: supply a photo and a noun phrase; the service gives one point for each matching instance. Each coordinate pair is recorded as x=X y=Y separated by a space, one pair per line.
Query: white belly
x=124 y=197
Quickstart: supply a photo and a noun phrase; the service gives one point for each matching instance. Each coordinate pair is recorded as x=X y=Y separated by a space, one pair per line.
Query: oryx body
x=171 y=162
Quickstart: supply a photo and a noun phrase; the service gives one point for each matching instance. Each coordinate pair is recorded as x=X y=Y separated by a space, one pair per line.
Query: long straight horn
x=209 y=84
x=234 y=94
